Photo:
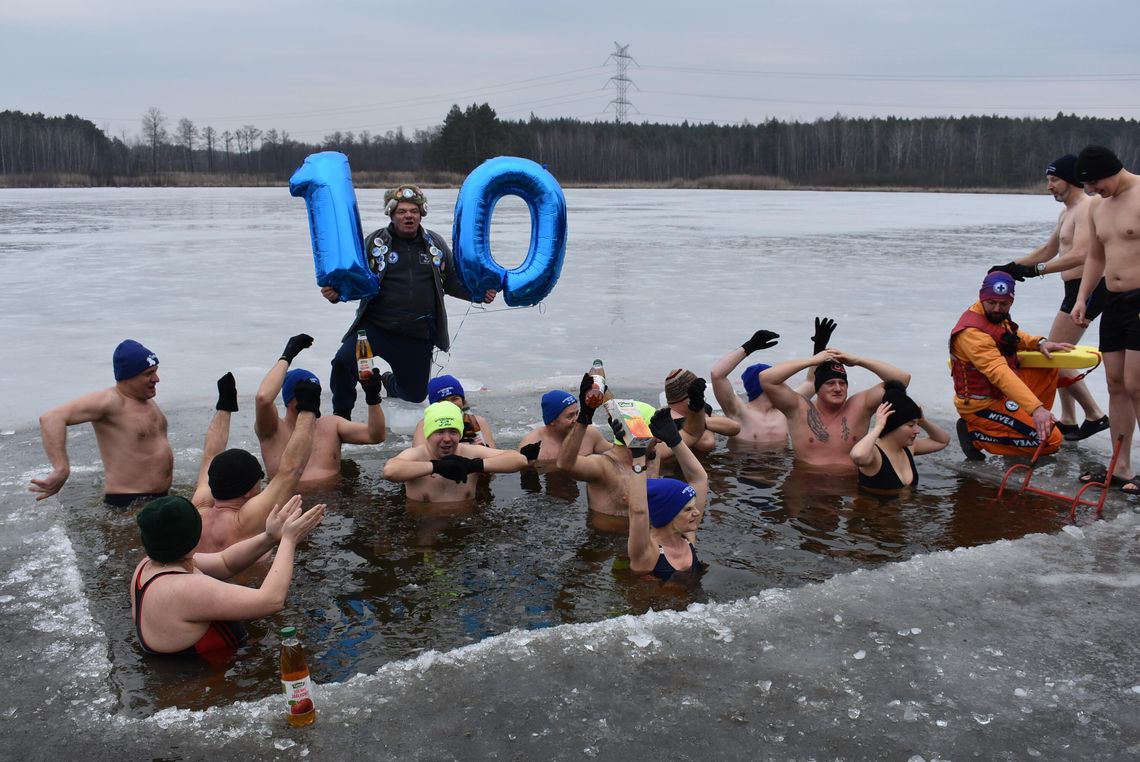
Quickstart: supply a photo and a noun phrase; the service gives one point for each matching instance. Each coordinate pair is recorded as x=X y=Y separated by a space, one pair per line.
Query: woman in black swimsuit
x=664 y=513
x=885 y=457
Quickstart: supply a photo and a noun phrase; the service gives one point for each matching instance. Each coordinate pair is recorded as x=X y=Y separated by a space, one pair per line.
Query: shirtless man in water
x=760 y=422
x=438 y=471
x=274 y=432
x=229 y=496
x=559 y=414
x=607 y=474
x=130 y=430
x=1114 y=252
x=1064 y=253
x=824 y=431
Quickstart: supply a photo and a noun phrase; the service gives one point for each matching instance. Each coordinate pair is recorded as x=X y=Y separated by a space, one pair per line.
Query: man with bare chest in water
x=823 y=431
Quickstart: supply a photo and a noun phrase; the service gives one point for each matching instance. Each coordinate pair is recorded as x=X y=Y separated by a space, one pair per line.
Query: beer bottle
x=472 y=434
x=364 y=361
x=295 y=680
x=598 y=393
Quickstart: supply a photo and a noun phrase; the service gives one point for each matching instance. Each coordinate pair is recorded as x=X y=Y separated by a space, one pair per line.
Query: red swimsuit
x=218 y=636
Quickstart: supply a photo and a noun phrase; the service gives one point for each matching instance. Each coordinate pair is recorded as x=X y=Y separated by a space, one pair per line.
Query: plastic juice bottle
x=364 y=361
x=597 y=395
x=295 y=681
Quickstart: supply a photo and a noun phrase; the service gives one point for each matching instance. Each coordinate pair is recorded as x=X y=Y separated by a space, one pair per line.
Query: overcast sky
x=313 y=68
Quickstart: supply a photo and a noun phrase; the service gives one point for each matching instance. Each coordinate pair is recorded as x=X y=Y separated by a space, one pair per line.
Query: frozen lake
x=827 y=626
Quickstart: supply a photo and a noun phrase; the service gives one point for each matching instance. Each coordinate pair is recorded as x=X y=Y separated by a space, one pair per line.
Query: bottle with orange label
x=599 y=392
x=295 y=680
x=365 y=364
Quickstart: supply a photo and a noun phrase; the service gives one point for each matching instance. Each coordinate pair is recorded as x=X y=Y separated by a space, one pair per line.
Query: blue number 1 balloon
x=325 y=181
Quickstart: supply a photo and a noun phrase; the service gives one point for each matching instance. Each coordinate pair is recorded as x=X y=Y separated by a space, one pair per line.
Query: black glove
x=824 y=327
x=665 y=428
x=585 y=412
x=295 y=345
x=708 y=409
x=697 y=394
x=618 y=430
x=227 y=393
x=1007 y=344
x=450 y=467
x=1014 y=270
x=372 y=388
x=308 y=396
x=530 y=451
x=760 y=340
x=638 y=452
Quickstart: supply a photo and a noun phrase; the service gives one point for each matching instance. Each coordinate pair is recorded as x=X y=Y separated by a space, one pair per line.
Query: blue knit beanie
x=442 y=387
x=751 y=378
x=554 y=402
x=666 y=499
x=290 y=383
x=132 y=358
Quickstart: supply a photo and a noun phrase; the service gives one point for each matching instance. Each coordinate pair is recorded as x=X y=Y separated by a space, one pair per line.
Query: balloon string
x=470 y=306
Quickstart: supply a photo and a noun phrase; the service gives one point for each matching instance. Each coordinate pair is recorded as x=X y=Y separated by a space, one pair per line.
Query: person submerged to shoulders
x=274 y=431
x=439 y=470
x=823 y=431
x=476 y=429
x=180 y=601
x=885 y=456
x=559 y=413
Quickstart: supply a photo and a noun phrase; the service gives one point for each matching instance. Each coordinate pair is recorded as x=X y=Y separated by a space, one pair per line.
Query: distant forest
x=953 y=152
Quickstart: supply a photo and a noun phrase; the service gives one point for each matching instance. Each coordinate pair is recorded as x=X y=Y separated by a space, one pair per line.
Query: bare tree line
x=973 y=151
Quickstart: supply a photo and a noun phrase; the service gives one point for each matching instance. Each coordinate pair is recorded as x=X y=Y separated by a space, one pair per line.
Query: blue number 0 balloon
x=531 y=281
x=334 y=225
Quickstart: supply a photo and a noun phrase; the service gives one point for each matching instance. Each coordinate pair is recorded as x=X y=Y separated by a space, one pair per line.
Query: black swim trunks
x=1120 y=327
x=127 y=499
x=1095 y=304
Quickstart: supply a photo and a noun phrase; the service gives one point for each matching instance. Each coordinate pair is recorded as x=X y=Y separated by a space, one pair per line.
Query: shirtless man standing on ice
x=438 y=470
x=824 y=431
x=130 y=430
x=1114 y=252
x=1064 y=253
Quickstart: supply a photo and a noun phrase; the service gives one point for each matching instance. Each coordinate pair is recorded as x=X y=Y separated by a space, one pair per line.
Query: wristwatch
x=638 y=468
x=1040 y=267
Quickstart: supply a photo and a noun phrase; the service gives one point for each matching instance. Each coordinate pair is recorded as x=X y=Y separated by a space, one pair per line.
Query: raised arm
x=217 y=437
x=774 y=380
x=884 y=370
x=663 y=427
x=722 y=387
x=936 y=438
x=207 y=598
x=373 y=432
x=694 y=427
x=584 y=467
x=53 y=435
x=864 y=454
x=265 y=403
x=293 y=460
x=642 y=550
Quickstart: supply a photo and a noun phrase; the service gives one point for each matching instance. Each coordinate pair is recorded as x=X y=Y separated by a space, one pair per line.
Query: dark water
x=377 y=584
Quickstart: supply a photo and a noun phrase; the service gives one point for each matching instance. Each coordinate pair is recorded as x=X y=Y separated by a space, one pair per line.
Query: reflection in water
x=383 y=580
